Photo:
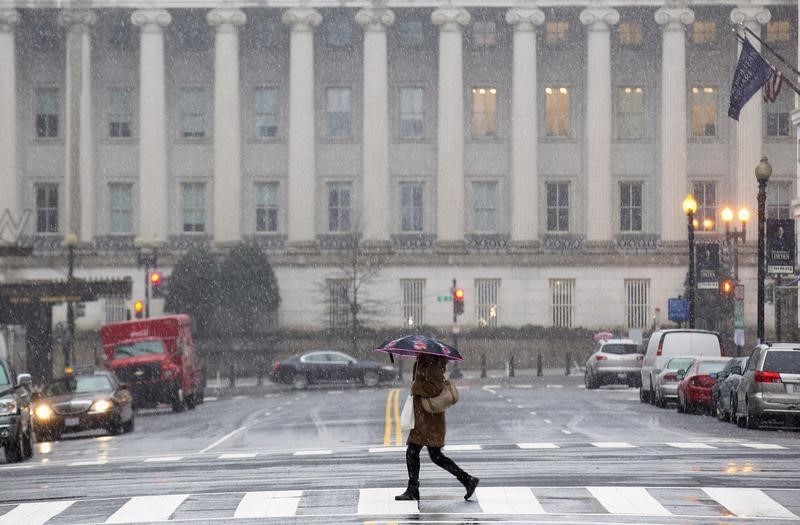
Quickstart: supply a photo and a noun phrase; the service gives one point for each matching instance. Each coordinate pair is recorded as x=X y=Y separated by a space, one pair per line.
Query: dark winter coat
x=429 y=429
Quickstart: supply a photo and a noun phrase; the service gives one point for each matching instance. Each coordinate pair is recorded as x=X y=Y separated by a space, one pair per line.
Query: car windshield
x=706 y=367
x=786 y=362
x=4 y=376
x=679 y=363
x=79 y=385
x=620 y=349
x=138 y=348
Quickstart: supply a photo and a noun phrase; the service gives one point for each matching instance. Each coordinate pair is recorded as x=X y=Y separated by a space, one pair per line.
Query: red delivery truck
x=156 y=359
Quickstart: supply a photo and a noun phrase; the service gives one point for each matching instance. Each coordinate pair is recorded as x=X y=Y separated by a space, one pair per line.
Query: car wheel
x=27 y=445
x=733 y=418
x=679 y=406
x=13 y=450
x=721 y=415
x=652 y=395
x=201 y=396
x=299 y=381
x=590 y=381
x=751 y=422
x=370 y=378
x=190 y=402
x=178 y=401
x=643 y=395
x=128 y=426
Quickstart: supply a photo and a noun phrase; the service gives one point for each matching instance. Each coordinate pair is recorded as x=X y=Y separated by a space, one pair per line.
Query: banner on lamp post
x=780 y=246
x=707 y=266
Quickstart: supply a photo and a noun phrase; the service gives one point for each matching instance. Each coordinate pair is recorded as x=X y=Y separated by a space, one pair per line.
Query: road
x=546 y=451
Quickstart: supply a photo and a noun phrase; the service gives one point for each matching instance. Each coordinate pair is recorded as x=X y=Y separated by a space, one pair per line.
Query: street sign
x=738 y=314
x=678 y=309
x=444 y=298
x=738 y=292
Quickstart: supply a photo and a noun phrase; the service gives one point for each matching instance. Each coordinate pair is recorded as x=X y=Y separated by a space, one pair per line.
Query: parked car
x=328 y=366
x=83 y=401
x=16 y=426
x=665 y=383
x=694 y=390
x=664 y=344
x=770 y=385
x=723 y=393
x=614 y=361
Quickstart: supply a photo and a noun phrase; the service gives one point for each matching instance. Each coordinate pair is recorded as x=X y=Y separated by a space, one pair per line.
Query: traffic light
x=156 y=284
x=138 y=309
x=726 y=287
x=458 y=301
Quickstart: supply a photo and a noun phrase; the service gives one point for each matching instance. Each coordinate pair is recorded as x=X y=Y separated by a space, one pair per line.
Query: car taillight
x=276 y=365
x=765 y=376
x=600 y=357
x=660 y=348
x=639 y=357
x=670 y=377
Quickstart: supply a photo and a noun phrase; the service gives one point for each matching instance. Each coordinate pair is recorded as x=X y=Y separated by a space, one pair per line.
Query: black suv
x=16 y=424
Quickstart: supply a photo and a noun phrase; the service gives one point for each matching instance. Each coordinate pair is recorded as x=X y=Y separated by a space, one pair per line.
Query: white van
x=664 y=344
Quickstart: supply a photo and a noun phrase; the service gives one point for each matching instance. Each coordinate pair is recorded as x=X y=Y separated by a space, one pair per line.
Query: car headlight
x=388 y=368
x=43 y=412
x=8 y=405
x=101 y=406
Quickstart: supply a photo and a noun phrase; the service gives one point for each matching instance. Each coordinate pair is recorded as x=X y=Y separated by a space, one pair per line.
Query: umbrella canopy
x=412 y=345
x=602 y=336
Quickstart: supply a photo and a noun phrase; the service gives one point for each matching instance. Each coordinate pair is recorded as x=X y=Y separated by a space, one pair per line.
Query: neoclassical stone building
x=538 y=152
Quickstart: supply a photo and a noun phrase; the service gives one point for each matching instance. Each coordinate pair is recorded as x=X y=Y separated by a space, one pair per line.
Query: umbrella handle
x=391 y=357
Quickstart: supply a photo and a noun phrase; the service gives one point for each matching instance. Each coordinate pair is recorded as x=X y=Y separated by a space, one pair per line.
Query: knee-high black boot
x=412 y=463
x=469 y=482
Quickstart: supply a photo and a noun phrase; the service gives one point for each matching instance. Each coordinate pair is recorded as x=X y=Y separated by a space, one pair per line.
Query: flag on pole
x=752 y=72
x=773 y=86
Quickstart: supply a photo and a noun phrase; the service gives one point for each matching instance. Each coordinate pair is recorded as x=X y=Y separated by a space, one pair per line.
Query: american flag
x=773 y=86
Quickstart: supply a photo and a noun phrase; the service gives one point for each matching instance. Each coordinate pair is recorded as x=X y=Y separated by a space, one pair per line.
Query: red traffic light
x=155 y=278
x=138 y=309
x=726 y=287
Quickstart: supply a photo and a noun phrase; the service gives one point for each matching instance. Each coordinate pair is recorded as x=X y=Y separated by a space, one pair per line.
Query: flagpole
x=784 y=79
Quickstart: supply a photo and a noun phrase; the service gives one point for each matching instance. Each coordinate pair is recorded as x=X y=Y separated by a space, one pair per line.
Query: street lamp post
x=732 y=238
x=690 y=208
x=763 y=173
x=71 y=240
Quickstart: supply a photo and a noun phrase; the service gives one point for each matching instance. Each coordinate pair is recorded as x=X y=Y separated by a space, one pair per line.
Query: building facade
x=536 y=152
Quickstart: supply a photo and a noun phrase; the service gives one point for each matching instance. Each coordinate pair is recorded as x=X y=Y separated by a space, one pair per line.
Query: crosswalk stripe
x=313 y=452
x=382 y=502
x=236 y=456
x=763 y=446
x=508 y=500
x=272 y=504
x=387 y=449
x=537 y=445
x=163 y=459
x=690 y=445
x=748 y=503
x=34 y=513
x=147 y=508
x=612 y=444
x=628 y=500
x=451 y=448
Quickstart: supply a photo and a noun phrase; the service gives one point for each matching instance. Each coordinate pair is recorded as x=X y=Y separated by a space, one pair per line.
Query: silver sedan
x=614 y=361
x=665 y=382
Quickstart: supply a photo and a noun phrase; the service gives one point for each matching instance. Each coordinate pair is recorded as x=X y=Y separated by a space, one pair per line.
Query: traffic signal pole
x=456 y=372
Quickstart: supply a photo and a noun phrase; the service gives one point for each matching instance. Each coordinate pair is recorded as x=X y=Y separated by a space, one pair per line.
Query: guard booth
x=30 y=303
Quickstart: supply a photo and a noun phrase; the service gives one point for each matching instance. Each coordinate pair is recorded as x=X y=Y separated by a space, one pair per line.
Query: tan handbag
x=447 y=398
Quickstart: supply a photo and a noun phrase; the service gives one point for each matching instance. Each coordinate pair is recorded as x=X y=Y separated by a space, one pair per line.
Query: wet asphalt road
x=546 y=450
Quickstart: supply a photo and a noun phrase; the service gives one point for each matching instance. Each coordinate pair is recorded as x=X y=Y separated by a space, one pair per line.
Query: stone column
x=9 y=196
x=749 y=132
x=153 y=167
x=599 y=201
x=78 y=145
x=450 y=134
x=674 y=181
x=375 y=167
x=524 y=127
x=302 y=162
x=227 y=125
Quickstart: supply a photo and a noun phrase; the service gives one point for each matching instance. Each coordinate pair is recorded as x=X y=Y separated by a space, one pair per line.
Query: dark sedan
x=723 y=393
x=329 y=366
x=86 y=401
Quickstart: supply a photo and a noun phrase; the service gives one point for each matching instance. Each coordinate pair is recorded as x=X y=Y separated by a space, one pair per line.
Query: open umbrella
x=412 y=345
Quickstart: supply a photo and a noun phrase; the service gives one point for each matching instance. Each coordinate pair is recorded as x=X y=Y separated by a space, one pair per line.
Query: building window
x=115 y=310
x=266 y=207
x=630 y=33
x=120 y=112
x=630 y=113
x=413 y=300
x=484 y=34
x=562 y=292
x=339 y=33
x=630 y=211
x=265 y=107
x=705 y=193
x=339 y=206
x=339 y=303
x=411 y=33
x=338 y=112
x=556 y=109
x=121 y=207
x=262 y=33
x=485 y=206
x=556 y=32
x=46 y=208
x=412 y=112
x=778 y=117
x=637 y=305
x=704 y=111
x=779 y=200
x=47 y=112
x=486 y=303
x=484 y=112
x=704 y=32
x=194 y=206
x=557 y=206
x=411 y=206
x=779 y=31
x=193 y=112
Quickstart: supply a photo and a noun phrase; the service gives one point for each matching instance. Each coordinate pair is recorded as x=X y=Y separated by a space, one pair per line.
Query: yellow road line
x=398 y=430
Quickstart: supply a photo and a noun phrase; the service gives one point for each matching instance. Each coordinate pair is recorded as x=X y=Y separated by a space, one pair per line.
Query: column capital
x=226 y=20
x=451 y=18
x=151 y=20
x=525 y=18
x=78 y=20
x=674 y=18
x=8 y=19
x=302 y=19
x=752 y=15
x=374 y=18
x=599 y=18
